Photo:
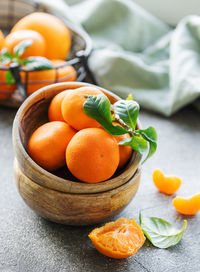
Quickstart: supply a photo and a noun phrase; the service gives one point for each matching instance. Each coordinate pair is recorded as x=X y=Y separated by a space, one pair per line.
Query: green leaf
x=128 y=111
x=37 y=63
x=9 y=78
x=129 y=97
x=160 y=232
x=5 y=56
x=137 y=143
x=21 y=47
x=150 y=135
x=98 y=108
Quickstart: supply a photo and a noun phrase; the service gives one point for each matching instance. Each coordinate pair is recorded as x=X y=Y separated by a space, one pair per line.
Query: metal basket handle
x=15 y=70
x=84 y=60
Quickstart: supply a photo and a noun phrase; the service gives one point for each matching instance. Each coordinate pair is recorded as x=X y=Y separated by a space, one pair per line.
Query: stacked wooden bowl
x=58 y=196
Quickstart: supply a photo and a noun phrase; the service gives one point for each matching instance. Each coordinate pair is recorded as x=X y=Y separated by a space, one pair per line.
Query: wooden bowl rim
x=57 y=183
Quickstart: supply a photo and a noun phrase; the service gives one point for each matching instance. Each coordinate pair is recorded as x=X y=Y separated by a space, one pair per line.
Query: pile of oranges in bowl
x=49 y=40
x=73 y=140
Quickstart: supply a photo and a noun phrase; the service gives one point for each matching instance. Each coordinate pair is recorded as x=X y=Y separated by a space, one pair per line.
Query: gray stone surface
x=30 y=243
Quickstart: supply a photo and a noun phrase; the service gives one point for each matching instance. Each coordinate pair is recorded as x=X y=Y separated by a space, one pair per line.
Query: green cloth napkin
x=136 y=53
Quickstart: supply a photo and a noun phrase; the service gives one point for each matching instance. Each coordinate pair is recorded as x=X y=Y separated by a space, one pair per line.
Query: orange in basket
x=5 y=90
x=48 y=143
x=34 y=80
x=55 y=33
x=54 y=111
x=1 y=40
x=92 y=155
x=125 y=151
x=37 y=48
x=72 y=108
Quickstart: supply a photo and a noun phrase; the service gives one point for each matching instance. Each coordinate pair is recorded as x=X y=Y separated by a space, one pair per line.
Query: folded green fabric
x=136 y=53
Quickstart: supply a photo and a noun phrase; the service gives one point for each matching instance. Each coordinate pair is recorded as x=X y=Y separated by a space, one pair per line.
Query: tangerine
x=2 y=40
x=55 y=33
x=6 y=90
x=72 y=108
x=41 y=78
x=119 y=239
x=48 y=143
x=92 y=155
x=37 y=48
x=125 y=151
x=54 y=111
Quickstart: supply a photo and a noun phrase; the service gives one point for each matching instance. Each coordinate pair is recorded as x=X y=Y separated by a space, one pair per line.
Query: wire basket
x=12 y=11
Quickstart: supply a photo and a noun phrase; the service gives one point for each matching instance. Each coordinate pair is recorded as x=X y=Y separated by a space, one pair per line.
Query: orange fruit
x=2 y=41
x=120 y=239
x=125 y=151
x=48 y=143
x=72 y=108
x=5 y=90
x=187 y=206
x=92 y=155
x=55 y=33
x=42 y=78
x=167 y=185
x=54 y=111
x=37 y=48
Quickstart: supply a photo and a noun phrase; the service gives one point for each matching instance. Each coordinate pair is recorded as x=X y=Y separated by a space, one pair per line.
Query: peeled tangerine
x=119 y=239
x=187 y=206
x=166 y=184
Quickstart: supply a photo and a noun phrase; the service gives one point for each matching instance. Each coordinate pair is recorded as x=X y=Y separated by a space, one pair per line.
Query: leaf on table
x=161 y=233
x=128 y=111
x=98 y=108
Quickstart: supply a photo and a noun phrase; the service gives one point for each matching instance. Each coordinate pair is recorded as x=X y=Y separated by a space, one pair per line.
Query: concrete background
x=30 y=243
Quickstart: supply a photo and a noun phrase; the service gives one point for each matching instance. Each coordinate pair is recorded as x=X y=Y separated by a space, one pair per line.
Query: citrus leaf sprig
x=125 y=112
x=35 y=63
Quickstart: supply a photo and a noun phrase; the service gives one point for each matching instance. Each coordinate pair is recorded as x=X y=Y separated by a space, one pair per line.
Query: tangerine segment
x=38 y=79
x=125 y=151
x=167 y=185
x=119 y=239
x=48 y=143
x=55 y=33
x=72 y=108
x=37 y=48
x=54 y=111
x=92 y=155
x=187 y=206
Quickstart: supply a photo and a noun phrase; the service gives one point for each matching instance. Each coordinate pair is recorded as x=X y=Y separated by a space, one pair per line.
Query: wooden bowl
x=59 y=196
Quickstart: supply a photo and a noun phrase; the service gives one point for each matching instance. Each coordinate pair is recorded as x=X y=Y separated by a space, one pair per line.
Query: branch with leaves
x=31 y=63
x=125 y=112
